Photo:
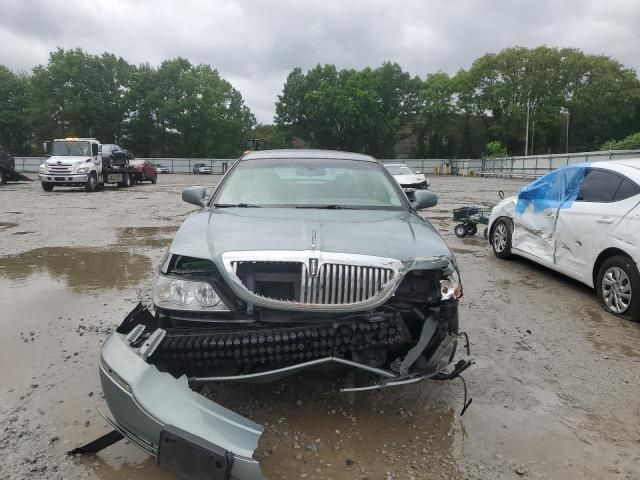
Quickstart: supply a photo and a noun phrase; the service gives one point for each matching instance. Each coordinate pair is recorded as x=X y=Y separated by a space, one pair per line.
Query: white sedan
x=582 y=221
x=407 y=177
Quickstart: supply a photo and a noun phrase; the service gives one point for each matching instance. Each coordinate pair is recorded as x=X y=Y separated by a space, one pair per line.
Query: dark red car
x=144 y=170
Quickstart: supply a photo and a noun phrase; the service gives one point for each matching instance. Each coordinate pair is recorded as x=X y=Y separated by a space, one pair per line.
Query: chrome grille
x=59 y=169
x=339 y=284
x=334 y=284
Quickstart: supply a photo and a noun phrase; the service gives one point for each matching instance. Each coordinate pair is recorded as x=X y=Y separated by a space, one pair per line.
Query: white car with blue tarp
x=582 y=221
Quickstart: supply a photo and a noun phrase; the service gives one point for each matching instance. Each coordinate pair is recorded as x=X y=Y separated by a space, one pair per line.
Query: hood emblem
x=313 y=267
x=59 y=163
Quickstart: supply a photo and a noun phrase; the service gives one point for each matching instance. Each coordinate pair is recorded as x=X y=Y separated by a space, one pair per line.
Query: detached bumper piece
x=146 y=374
x=163 y=416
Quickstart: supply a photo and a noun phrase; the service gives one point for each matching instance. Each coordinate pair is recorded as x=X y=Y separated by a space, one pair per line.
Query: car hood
x=65 y=160
x=400 y=235
x=409 y=179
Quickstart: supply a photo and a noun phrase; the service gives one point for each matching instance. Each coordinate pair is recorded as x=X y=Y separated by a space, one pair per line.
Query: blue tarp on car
x=557 y=189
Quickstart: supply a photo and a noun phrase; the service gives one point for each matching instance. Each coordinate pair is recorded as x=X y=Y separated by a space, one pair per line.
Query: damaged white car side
x=582 y=221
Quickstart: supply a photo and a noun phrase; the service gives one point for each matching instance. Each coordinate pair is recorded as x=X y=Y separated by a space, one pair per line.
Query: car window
x=626 y=190
x=598 y=186
x=399 y=170
x=310 y=184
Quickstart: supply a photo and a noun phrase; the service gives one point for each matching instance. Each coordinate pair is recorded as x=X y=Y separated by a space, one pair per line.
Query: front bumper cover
x=145 y=403
x=151 y=407
x=62 y=177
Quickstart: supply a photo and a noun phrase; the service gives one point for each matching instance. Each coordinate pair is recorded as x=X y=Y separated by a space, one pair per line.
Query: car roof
x=629 y=167
x=295 y=153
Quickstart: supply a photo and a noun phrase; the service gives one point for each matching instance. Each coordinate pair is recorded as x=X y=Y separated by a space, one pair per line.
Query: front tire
x=618 y=287
x=126 y=181
x=4 y=177
x=471 y=229
x=91 y=183
x=47 y=186
x=154 y=179
x=501 y=238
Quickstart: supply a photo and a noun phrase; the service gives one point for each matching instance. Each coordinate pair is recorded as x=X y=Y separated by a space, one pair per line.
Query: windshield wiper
x=329 y=207
x=236 y=205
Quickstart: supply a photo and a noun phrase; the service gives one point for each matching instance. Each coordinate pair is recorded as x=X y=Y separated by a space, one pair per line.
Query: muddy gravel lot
x=555 y=387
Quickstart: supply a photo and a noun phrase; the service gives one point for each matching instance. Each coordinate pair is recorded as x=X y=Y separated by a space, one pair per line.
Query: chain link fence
x=525 y=167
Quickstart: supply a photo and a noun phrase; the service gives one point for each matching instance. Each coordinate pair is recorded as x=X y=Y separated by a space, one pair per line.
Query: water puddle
x=81 y=269
x=463 y=251
x=314 y=431
x=151 y=237
x=50 y=389
x=7 y=225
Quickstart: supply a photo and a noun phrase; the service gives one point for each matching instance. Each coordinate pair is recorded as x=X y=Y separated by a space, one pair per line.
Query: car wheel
x=4 y=176
x=460 y=230
x=154 y=179
x=618 y=287
x=501 y=238
x=47 y=186
x=471 y=229
x=91 y=183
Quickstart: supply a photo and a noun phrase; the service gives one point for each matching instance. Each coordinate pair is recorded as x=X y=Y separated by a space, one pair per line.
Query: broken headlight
x=451 y=286
x=179 y=294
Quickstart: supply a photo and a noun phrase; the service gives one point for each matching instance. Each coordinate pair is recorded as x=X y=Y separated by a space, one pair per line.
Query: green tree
x=631 y=142
x=364 y=111
x=275 y=136
x=595 y=94
x=186 y=110
x=78 y=94
x=437 y=115
x=495 y=150
x=13 y=106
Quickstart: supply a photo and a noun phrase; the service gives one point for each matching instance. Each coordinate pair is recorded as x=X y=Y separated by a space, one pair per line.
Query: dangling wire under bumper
x=448 y=373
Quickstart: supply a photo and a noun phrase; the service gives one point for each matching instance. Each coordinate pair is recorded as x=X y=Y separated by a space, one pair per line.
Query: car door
x=149 y=170
x=536 y=211
x=604 y=199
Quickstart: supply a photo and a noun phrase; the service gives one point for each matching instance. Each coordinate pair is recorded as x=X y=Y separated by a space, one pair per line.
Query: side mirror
x=195 y=195
x=46 y=146
x=424 y=199
x=418 y=171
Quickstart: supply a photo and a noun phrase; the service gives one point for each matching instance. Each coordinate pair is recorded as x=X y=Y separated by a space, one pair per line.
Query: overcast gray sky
x=255 y=44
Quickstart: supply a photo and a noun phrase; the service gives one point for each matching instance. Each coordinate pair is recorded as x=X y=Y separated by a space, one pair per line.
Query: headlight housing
x=176 y=293
x=41 y=169
x=451 y=286
x=82 y=170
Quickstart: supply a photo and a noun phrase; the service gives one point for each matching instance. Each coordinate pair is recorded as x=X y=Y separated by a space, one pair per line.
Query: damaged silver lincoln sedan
x=299 y=258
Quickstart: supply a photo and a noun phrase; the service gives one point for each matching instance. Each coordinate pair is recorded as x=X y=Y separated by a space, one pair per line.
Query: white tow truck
x=78 y=162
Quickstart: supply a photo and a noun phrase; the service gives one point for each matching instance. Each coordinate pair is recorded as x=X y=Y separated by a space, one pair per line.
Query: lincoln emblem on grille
x=313 y=267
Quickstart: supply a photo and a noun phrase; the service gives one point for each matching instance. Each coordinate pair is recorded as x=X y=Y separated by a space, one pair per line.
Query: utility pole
x=567 y=137
x=533 y=134
x=526 y=136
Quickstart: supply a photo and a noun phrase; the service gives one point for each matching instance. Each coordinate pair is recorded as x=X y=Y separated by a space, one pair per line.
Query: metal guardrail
x=524 y=167
x=175 y=165
x=538 y=165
